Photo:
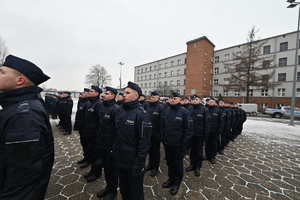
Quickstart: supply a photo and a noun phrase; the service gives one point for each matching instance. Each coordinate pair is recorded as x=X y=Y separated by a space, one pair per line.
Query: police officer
x=155 y=111
x=187 y=105
x=226 y=130
x=26 y=140
x=66 y=112
x=243 y=115
x=79 y=123
x=201 y=120
x=132 y=144
x=91 y=126
x=143 y=101
x=105 y=140
x=215 y=129
x=120 y=99
x=176 y=133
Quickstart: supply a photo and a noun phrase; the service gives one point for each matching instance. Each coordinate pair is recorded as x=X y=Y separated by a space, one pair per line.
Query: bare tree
x=165 y=90
x=98 y=76
x=250 y=70
x=3 y=50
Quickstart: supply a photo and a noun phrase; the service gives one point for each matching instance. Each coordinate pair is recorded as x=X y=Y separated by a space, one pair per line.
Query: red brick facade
x=198 y=66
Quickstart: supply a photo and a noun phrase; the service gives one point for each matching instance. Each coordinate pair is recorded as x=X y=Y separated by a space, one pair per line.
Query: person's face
x=226 y=104
x=8 y=78
x=130 y=95
x=108 y=96
x=175 y=100
x=85 y=94
x=120 y=97
x=211 y=103
x=221 y=103
x=93 y=93
x=142 y=98
x=186 y=101
x=154 y=98
x=196 y=101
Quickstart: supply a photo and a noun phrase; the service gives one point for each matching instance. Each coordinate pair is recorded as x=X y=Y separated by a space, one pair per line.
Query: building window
x=195 y=45
x=179 y=62
x=141 y=85
x=165 y=83
x=172 y=63
x=138 y=78
x=166 y=64
x=264 y=92
x=150 y=69
x=171 y=82
x=216 y=70
x=138 y=71
x=154 y=84
x=215 y=93
x=298 y=76
x=150 y=76
x=184 y=71
x=266 y=63
x=216 y=81
x=298 y=92
x=165 y=74
x=283 y=46
x=217 y=59
x=142 y=78
x=160 y=66
x=281 y=92
x=154 y=67
x=142 y=70
x=251 y=93
x=193 y=91
x=204 y=72
x=159 y=75
x=145 y=85
x=227 y=57
x=146 y=69
x=225 y=92
x=265 y=78
x=149 y=84
x=145 y=77
x=204 y=78
x=159 y=83
x=226 y=80
x=267 y=49
x=281 y=77
x=178 y=72
x=154 y=76
x=172 y=73
x=282 y=62
x=226 y=69
x=236 y=92
x=264 y=105
x=178 y=82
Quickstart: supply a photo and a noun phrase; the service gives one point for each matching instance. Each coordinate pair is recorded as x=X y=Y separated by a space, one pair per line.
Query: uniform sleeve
x=188 y=129
x=206 y=124
x=221 y=122
x=143 y=131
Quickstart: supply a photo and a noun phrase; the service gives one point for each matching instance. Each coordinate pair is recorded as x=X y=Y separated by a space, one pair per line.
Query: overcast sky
x=66 y=37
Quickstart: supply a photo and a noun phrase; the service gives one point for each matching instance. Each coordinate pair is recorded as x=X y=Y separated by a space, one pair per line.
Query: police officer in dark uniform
x=201 y=120
x=79 y=123
x=143 y=102
x=59 y=108
x=120 y=99
x=177 y=126
x=155 y=111
x=26 y=140
x=105 y=140
x=187 y=105
x=243 y=115
x=227 y=121
x=215 y=129
x=132 y=144
x=66 y=112
x=91 y=126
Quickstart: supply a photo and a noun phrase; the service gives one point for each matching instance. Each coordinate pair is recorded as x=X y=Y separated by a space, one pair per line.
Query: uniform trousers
x=154 y=153
x=196 y=153
x=174 y=157
x=131 y=187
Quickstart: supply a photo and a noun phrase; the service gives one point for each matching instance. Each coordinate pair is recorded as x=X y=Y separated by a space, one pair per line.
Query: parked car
x=284 y=111
x=249 y=108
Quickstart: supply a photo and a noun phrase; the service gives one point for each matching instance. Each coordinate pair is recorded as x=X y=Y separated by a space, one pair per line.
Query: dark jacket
x=108 y=123
x=145 y=104
x=155 y=111
x=201 y=117
x=226 y=117
x=216 y=119
x=26 y=145
x=133 y=136
x=177 y=126
x=80 y=113
x=92 y=116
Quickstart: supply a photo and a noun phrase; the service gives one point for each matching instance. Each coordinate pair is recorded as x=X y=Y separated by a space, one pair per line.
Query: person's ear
x=21 y=80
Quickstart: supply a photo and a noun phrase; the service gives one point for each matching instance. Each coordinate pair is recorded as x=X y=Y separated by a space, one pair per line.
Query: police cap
x=154 y=93
x=175 y=94
x=96 y=88
x=111 y=89
x=134 y=87
x=30 y=70
x=86 y=89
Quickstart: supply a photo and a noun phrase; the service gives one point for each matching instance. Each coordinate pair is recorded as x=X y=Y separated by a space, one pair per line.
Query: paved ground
x=251 y=168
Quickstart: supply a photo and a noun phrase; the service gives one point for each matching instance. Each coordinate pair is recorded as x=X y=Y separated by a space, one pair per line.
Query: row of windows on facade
x=160 y=66
x=161 y=84
x=266 y=50
x=160 y=75
x=265 y=78
x=263 y=92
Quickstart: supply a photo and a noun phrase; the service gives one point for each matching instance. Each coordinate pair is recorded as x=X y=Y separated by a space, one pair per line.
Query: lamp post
x=292 y=5
x=121 y=63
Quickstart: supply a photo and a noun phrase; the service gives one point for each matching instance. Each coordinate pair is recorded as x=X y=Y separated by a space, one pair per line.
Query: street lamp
x=292 y=5
x=121 y=63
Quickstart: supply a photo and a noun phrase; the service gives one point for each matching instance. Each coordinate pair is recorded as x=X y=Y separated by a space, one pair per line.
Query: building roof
x=200 y=38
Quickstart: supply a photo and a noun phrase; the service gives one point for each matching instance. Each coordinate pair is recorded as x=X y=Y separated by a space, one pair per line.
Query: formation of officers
x=118 y=131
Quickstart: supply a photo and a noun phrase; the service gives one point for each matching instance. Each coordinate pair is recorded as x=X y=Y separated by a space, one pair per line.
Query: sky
x=65 y=38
